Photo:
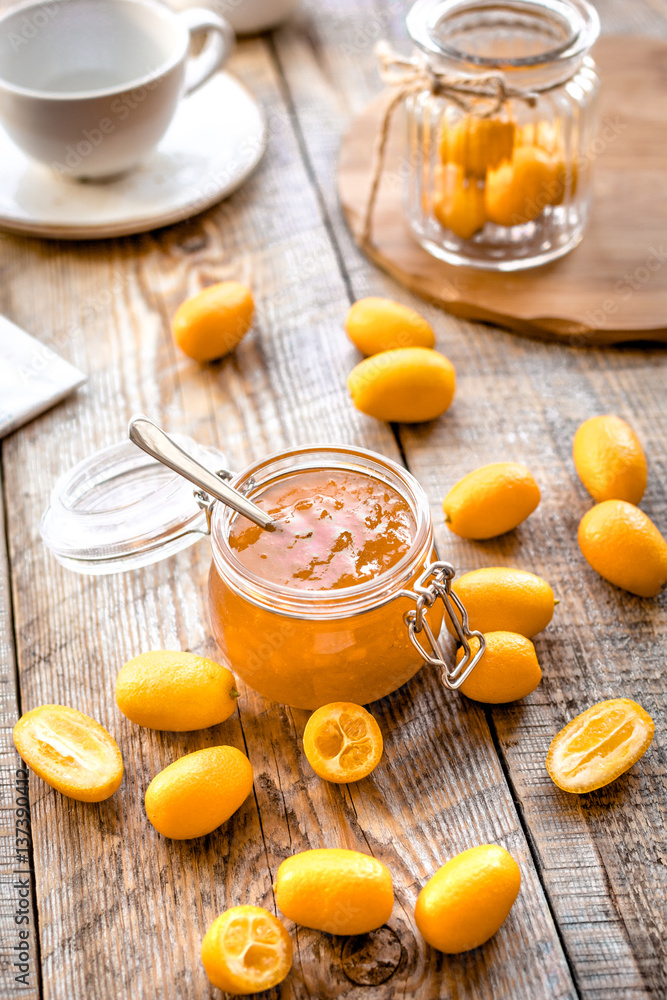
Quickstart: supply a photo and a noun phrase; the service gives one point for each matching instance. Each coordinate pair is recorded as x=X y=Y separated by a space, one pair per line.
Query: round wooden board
x=613 y=286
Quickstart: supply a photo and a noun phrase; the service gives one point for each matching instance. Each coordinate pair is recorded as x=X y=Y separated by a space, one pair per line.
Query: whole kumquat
x=198 y=792
x=175 y=690
x=214 y=321
x=624 y=546
x=467 y=900
x=609 y=459
x=376 y=324
x=518 y=191
x=491 y=500
x=335 y=890
x=477 y=145
x=458 y=202
x=406 y=385
x=507 y=671
x=501 y=599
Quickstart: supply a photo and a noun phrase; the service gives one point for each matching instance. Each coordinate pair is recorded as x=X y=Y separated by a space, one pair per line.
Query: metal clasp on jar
x=425 y=594
x=207 y=503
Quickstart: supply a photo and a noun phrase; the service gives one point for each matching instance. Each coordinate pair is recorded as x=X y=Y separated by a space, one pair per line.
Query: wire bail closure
x=206 y=502
x=425 y=595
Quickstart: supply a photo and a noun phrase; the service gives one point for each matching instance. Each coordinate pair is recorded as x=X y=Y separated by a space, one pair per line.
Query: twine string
x=482 y=95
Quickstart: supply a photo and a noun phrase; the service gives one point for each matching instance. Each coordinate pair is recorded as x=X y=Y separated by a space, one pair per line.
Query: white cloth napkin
x=32 y=377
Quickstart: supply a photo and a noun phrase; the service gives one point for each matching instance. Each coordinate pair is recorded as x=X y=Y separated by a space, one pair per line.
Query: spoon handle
x=153 y=440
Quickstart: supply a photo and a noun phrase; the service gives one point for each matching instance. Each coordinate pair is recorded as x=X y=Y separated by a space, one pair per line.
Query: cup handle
x=217 y=48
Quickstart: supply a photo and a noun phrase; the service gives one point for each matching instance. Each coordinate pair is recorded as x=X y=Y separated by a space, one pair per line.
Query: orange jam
x=313 y=611
x=335 y=529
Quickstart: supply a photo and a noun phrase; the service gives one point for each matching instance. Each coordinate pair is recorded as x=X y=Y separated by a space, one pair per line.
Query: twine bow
x=482 y=95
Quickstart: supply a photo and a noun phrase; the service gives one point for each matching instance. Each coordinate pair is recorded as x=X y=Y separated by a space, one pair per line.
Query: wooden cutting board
x=613 y=286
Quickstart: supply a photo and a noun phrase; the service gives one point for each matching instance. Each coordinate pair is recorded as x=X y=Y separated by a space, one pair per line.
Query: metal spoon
x=153 y=440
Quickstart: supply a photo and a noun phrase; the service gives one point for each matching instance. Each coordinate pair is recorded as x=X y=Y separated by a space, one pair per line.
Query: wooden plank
x=19 y=958
x=130 y=922
x=431 y=979
x=563 y=302
x=602 y=874
x=603 y=643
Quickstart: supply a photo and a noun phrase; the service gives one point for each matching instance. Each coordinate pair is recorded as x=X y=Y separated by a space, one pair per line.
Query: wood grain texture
x=524 y=401
x=284 y=385
x=122 y=910
x=19 y=958
x=134 y=920
x=613 y=287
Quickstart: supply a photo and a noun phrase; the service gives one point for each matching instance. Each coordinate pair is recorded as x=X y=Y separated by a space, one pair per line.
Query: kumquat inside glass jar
x=324 y=584
x=500 y=133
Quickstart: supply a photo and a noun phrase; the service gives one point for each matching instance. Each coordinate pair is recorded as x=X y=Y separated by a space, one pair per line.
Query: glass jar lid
x=120 y=509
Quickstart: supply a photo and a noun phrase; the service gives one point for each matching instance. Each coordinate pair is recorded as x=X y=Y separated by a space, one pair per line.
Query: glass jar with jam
x=499 y=140
x=342 y=600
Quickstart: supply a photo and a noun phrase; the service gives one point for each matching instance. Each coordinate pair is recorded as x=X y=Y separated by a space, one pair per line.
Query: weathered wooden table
x=113 y=910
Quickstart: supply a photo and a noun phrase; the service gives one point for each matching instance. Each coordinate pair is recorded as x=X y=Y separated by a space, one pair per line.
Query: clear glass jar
x=310 y=647
x=120 y=509
x=506 y=187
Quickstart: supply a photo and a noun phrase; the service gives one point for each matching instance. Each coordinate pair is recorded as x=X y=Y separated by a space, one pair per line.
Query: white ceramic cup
x=89 y=87
x=250 y=16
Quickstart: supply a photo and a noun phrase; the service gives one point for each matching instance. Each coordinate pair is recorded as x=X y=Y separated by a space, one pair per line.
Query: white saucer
x=216 y=139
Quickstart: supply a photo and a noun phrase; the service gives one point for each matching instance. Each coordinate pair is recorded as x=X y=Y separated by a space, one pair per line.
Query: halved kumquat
x=342 y=742
x=70 y=751
x=245 y=950
x=599 y=745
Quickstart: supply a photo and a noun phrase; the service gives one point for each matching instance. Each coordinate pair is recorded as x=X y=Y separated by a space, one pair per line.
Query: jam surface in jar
x=334 y=529
x=313 y=612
